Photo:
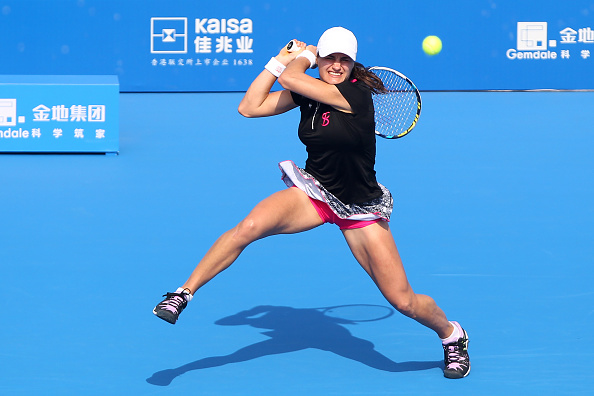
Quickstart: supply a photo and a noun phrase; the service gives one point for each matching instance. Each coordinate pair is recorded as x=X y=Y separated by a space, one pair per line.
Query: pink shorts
x=328 y=216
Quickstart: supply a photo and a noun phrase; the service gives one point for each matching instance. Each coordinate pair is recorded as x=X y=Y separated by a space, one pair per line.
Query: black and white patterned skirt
x=378 y=208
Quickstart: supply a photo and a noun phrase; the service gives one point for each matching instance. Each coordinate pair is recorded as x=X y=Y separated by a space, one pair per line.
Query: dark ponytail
x=369 y=78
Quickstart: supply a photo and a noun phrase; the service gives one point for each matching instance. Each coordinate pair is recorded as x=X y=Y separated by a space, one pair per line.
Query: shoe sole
x=168 y=320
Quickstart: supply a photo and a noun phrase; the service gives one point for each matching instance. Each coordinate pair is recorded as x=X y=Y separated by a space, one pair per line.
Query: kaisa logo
x=169 y=35
x=216 y=42
x=532 y=42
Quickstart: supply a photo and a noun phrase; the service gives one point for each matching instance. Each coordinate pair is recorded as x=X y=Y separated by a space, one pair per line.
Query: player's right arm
x=258 y=101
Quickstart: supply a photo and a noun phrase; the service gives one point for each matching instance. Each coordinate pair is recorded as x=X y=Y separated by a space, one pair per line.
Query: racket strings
x=397 y=109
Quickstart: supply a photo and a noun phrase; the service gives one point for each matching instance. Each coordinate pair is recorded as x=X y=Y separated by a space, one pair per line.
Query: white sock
x=185 y=292
x=452 y=337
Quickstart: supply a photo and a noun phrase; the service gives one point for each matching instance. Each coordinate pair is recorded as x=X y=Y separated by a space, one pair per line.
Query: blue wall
x=479 y=36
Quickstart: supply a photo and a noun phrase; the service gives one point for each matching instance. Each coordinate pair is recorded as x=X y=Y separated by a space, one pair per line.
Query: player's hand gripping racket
x=293 y=46
x=398 y=109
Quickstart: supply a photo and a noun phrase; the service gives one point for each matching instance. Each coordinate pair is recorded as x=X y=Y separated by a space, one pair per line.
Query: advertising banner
x=219 y=46
x=59 y=114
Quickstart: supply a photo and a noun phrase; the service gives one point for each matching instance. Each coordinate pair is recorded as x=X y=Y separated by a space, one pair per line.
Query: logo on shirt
x=326 y=118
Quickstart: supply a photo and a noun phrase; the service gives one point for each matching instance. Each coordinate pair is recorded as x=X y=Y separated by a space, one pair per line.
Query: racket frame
x=419 y=102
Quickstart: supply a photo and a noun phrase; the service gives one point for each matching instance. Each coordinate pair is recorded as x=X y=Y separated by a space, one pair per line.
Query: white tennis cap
x=338 y=39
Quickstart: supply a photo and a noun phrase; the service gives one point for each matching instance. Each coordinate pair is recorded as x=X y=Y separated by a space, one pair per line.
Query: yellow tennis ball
x=432 y=45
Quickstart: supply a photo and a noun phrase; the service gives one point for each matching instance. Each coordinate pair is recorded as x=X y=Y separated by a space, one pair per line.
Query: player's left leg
x=374 y=248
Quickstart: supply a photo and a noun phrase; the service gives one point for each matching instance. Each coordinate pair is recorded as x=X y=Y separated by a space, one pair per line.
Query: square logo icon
x=169 y=35
x=8 y=112
x=532 y=36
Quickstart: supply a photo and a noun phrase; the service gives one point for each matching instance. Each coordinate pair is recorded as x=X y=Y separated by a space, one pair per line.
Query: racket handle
x=292 y=46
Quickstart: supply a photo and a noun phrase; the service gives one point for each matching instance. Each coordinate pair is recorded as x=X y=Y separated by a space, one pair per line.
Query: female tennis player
x=338 y=184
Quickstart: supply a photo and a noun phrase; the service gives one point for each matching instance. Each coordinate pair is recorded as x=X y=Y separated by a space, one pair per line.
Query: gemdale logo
x=532 y=42
x=8 y=116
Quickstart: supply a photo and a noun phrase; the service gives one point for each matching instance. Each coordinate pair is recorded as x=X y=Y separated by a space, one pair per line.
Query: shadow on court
x=296 y=329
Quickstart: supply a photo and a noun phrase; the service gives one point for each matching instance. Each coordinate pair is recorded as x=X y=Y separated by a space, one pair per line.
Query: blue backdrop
x=189 y=45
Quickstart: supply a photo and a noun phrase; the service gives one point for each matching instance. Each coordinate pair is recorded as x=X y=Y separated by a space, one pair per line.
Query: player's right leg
x=285 y=212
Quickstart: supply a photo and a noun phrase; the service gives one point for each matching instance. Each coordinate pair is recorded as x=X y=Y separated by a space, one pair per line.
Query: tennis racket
x=399 y=108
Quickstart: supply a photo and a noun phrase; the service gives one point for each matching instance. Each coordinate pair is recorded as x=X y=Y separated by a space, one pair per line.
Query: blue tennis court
x=494 y=218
